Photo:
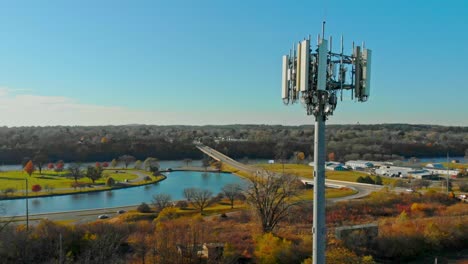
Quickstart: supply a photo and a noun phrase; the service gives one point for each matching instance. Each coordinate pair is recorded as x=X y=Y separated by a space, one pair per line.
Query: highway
x=362 y=188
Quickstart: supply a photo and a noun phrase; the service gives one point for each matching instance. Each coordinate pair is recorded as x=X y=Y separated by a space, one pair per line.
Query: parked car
x=103 y=216
x=121 y=211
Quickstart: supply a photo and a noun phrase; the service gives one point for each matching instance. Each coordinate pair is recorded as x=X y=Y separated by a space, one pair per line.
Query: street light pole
x=447 y=173
x=27 y=206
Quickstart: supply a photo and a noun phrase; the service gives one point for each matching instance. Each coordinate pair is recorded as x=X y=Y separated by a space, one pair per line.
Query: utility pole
x=27 y=206
x=448 y=173
x=314 y=77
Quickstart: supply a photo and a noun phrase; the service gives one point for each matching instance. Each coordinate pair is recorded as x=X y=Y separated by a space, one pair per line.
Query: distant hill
x=91 y=143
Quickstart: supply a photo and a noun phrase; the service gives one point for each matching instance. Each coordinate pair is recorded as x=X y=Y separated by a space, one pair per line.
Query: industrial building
x=359 y=164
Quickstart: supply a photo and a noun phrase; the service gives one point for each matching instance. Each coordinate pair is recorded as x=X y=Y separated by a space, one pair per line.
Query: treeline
x=376 y=142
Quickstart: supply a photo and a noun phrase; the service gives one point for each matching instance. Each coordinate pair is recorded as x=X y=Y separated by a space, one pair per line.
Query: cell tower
x=316 y=78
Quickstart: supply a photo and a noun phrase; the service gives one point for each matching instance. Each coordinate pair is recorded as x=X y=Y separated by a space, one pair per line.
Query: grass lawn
x=329 y=193
x=306 y=171
x=59 y=183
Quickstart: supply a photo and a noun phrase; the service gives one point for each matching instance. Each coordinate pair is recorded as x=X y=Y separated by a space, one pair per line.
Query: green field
x=305 y=171
x=58 y=183
x=329 y=193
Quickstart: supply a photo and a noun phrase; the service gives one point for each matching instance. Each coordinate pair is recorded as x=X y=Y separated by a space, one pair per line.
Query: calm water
x=443 y=159
x=174 y=185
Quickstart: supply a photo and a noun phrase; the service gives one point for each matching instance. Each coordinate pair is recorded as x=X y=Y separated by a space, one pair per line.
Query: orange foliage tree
x=331 y=156
x=29 y=168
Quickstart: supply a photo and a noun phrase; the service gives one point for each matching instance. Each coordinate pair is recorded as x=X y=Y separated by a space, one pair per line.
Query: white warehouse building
x=394 y=171
x=359 y=164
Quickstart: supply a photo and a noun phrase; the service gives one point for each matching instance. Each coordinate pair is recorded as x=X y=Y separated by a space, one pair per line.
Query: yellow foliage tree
x=342 y=255
x=300 y=156
x=269 y=249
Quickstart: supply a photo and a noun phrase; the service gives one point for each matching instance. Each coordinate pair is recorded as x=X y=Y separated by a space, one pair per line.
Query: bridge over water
x=362 y=188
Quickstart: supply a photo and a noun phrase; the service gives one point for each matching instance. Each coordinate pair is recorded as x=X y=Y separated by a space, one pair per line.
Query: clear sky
x=219 y=62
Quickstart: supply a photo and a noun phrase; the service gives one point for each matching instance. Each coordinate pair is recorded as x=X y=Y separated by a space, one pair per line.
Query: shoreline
x=87 y=191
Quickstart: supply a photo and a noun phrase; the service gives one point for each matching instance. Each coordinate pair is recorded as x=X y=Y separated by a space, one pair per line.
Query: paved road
x=362 y=189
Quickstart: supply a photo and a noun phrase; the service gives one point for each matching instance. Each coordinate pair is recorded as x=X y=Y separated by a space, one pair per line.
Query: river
x=174 y=185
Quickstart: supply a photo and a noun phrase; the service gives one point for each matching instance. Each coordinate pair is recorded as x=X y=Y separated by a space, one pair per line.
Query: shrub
x=110 y=181
x=147 y=178
x=36 y=188
x=167 y=213
x=143 y=208
x=463 y=186
x=378 y=180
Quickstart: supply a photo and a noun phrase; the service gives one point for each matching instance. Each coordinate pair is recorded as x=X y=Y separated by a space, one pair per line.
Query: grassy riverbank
x=13 y=184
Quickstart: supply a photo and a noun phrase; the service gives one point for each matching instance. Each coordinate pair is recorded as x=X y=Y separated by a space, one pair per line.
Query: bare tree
x=205 y=161
x=161 y=201
x=151 y=163
x=40 y=159
x=188 y=193
x=75 y=171
x=127 y=159
x=187 y=162
x=271 y=196
x=231 y=191
x=281 y=153
x=199 y=198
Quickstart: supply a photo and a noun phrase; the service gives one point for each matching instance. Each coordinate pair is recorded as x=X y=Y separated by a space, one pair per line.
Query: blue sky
x=219 y=62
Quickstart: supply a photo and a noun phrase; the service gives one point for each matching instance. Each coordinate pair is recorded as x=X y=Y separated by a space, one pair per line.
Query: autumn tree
x=231 y=191
x=161 y=201
x=40 y=159
x=271 y=196
x=199 y=198
x=272 y=249
x=300 y=156
x=59 y=166
x=218 y=165
x=29 y=168
x=75 y=171
x=331 y=156
x=127 y=159
x=36 y=188
x=114 y=163
x=50 y=166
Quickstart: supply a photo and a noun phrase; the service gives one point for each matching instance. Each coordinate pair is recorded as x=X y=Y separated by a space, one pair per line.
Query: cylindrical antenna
x=342 y=46
x=331 y=43
x=323 y=29
x=363 y=44
x=318 y=39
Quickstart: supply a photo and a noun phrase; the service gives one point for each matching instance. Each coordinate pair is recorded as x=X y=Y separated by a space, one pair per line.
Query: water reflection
x=173 y=185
